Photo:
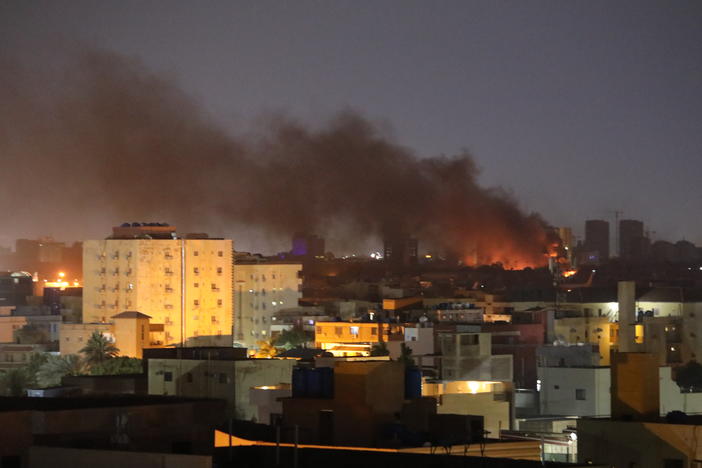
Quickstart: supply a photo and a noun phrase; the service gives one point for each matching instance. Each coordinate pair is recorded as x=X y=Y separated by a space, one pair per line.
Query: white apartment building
x=261 y=290
x=183 y=284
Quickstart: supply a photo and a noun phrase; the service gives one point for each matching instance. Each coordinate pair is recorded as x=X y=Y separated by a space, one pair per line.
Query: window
x=219 y=302
x=223 y=378
x=196 y=302
x=337 y=331
x=469 y=340
x=189 y=377
x=354 y=331
x=196 y=253
x=319 y=330
x=580 y=394
x=196 y=285
x=168 y=376
x=219 y=270
x=196 y=270
x=220 y=254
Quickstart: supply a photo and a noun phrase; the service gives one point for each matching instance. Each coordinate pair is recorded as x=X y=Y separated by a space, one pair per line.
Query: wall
x=227 y=380
x=672 y=399
x=146 y=275
x=495 y=412
x=623 y=444
x=261 y=290
x=75 y=335
x=559 y=391
x=39 y=457
x=595 y=330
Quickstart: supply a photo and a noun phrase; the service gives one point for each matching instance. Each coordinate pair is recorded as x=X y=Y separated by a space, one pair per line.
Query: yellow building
x=594 y=330
x=355 y=338
x=261 y=289
x=183 y=284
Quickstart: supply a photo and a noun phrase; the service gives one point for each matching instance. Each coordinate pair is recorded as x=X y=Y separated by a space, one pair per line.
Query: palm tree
x=56 y=367
x=14 y=382
x=380 y=349
x=99 y=349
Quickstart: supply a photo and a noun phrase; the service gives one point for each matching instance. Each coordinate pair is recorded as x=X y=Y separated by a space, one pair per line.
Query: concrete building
x=221 y=373
x=355 y=338
x=633 y=244
x=596 y=241
x=491 y=400
x=145 y=423
x=574 y=391
x=468 y=356
x=644 y=444
x=262 y=289
x=15 y=287
x=184 y=284
x=17 y=355
x=367 y=395
x=400 y=251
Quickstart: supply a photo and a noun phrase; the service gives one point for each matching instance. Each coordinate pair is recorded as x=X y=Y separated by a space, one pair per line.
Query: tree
x=689 y=376
x=265 y=350
x=406 y=355
x=31 y=334
x=15 y=382
x=56 y=367
x=380 y=349
x=98 y=349
x=117 y=366
x=294 y=338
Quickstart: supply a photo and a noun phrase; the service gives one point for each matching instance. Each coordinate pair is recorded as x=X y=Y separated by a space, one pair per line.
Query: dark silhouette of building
x=400 y=251
x=307 y=245
x=633 y=244
x=596 y=241
x=15 y=287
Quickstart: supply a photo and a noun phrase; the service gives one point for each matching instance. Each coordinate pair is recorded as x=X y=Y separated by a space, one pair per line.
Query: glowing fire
x=569 y=273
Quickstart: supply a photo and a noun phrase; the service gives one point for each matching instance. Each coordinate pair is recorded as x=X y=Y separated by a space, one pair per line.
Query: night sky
x=577 y=108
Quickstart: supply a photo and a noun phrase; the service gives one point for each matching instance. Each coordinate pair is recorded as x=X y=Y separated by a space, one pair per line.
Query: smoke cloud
x=96 y=137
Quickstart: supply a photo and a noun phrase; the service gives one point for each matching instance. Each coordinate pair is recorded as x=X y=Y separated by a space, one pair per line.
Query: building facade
x=185 y=284
x=261 y=290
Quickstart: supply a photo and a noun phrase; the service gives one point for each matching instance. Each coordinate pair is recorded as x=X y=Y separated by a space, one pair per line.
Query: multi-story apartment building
x=182 y=284
x=262 y=288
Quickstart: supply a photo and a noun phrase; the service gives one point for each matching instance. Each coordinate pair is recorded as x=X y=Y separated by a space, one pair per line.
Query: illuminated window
x=354 y=331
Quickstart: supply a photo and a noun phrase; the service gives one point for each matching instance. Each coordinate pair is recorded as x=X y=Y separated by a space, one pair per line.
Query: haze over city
x=573 y=110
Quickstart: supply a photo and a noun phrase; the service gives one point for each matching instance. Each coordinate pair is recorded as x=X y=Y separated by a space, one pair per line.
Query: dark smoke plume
x=99 y=136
